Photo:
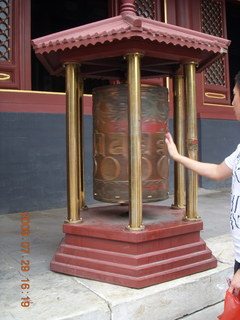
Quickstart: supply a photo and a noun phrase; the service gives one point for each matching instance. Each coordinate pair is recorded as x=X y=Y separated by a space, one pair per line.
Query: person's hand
x=172 y=149
x=234 y=287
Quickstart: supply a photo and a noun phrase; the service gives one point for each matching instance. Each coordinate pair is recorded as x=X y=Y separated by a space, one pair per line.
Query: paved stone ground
x=55 y=296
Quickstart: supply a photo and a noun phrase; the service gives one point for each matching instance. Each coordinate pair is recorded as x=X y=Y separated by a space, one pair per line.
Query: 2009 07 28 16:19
x=25 y=263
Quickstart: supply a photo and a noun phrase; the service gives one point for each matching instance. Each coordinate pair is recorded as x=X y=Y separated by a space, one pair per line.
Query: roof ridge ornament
x=127 y=7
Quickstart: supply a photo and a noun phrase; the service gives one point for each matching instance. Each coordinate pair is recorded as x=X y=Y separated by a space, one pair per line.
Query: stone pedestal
x=102 y=249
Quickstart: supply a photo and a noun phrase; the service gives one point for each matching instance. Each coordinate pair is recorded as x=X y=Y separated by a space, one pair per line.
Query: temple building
x=33 y=100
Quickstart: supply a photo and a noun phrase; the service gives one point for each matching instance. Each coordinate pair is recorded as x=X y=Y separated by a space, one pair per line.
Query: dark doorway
x=49 y=16
x=233 y=15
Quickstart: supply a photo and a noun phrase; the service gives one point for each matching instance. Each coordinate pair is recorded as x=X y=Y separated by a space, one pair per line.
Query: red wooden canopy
x=100 y=47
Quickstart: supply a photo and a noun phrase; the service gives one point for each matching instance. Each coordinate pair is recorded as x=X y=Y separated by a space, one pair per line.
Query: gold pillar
x=80 y=118
x=72 y=140
x=134 y=142
x=192 y=140
x=179 y=176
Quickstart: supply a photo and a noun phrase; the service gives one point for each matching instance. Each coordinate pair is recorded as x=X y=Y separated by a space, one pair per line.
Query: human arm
x=212 y=171
x=234 y=287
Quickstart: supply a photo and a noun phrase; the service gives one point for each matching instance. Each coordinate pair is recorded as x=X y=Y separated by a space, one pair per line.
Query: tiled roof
x=100 y=46
x=127 y=27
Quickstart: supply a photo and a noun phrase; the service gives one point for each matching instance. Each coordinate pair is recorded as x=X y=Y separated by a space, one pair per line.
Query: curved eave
x=191 y=43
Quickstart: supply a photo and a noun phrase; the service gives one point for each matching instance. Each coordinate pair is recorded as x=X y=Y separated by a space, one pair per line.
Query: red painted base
x=101 y=248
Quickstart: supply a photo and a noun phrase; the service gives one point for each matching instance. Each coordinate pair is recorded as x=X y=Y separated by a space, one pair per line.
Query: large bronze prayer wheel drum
x=110 y=126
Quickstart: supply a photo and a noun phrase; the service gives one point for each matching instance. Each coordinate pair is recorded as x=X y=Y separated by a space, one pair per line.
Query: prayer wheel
x=110 y=143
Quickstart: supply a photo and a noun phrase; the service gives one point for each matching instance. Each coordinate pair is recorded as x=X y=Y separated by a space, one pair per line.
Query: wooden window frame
x=18 y=68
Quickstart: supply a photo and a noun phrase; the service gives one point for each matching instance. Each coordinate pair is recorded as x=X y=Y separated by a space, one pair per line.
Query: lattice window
x=145 y=8
x=212 y=23
x=4 y=30
x=212 y=17
x=215 y=74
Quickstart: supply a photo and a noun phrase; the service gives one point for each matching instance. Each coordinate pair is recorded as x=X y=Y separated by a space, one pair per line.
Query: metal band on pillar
x=192 y=140
x=72 y=140
x=179 y=176
x=134 y=142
